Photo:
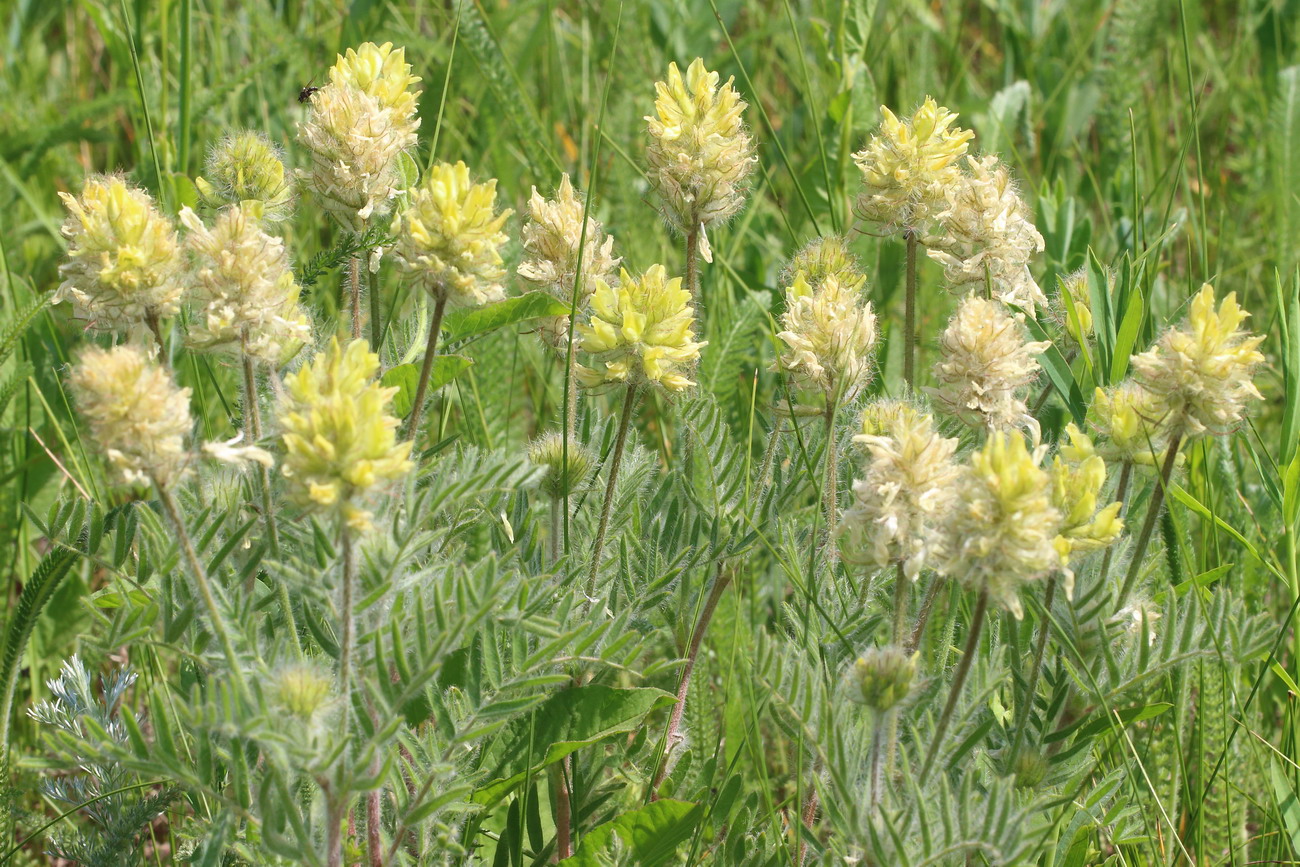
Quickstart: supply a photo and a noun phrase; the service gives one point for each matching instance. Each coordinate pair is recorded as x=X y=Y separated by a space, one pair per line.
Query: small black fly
x=304 y=95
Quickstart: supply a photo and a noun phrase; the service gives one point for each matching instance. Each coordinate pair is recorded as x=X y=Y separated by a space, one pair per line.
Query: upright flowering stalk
x=1201 y=374
x=700 y=156
x=246 y=167
x=139 y=420
x=359 y=125
x=1001 y=534
x=986 y=238
x=985 y=366
x=124 y=266
x=449 y=242
x=565 y=256
x=340 y=443
x=906 y=168
x=640 y=333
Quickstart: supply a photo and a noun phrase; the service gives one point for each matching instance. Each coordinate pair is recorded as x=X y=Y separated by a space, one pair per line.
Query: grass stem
x=958 y=681
x=615 y=460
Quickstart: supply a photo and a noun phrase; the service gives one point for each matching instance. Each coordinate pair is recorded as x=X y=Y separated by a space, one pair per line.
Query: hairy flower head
x=700 y=154
x=986 y=237
x=1076 y=306
x=821 y=258
x=882 y=677
x=246 y=167
x=1078 y=475
x=338 y=436
x=642 y=331
x=449 y=237
x=561 y=477
x=359 y=126
x=242 y=280
x=302 y=690
x=907 y=165
x=1203 y=370
x=552 y=259
x=1134 y=421
x=985 y=365
x=906 y=490
x=124 y=261
x=830 y=335
x=1002 y=529
x=136 y=414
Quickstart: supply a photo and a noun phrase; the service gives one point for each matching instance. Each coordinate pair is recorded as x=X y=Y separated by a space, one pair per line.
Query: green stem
x=376 y=314
x=205 y=587
x=430 y=353
x=1149 y=523
x=958 y=680
x=902 y=586
x=557 y=528
x=1040 y=647
x=253 y=413
x=830 y=496
x=923 y=617
x=692 y=278
x=909 y=313
x=354 y=292
x=615 y=460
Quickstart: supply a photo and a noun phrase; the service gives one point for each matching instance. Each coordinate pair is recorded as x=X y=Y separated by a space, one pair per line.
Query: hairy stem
x=1153 y=512
x=354 y=291
x=563 y=809
x=555 y=539
x=830 y=495
x=902 y=586
x=615 y=460
x=923 y=617
x=426 y=369
x=672 y=738
x=152 y=320
x=692 y=277
x=1040 y=647
x=909 y=313
x=376 y=314
x=958 y=681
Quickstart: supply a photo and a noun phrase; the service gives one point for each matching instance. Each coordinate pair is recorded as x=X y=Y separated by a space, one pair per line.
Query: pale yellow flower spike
x=822 y=258
x=642 y=331
x=699 y=152
x=136 y=414
x=246 y=167
x=1002 y=529
x=1202 y=371
x=907 y=165
x=1134 y=422
x=1078 y=475
x=830 y=335
x=124 y=265
x=449 y=238
x=339 y=438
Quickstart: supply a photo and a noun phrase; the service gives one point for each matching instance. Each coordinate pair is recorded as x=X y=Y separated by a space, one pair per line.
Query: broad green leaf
x=1127 y=337
x=1182 y=496
x=650 y=835
x=1058 y=371
x=565 y=722
x=1287 y=804
x=468 y=322
x=1291 y=492
x=406 y=378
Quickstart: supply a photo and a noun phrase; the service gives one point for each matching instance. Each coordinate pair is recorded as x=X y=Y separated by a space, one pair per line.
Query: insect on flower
x=305 y=95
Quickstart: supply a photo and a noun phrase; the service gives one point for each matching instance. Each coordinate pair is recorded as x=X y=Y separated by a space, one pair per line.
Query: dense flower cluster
x=136 y=414
x=830 y=334
x=822 y=258
x=246 y=167
x=642 y=331
x=1078 y=475
x=124 y=264
x=449 y=237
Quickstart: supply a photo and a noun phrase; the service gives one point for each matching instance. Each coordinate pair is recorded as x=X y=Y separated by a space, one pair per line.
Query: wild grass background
x=1162 y=135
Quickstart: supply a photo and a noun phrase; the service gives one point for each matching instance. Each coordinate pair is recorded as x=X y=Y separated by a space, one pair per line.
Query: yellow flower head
x=985 y=365
x=830 y=335
x=1076 y=306
x=449 y=238
x=551 y=240
x=359 y=126
x=1002 y=529
x=823 y=258
x=1203 y=370
x=986 y=238
x=136 y=414
x=124 y=261
x=338 y=436
x=1134 y=421
x=1078 y=475
x=246 y=167
x=302 y=690
x=700 y=154
x=641 y=331
x=906 y=490
x=907 y=165
x=882 y=677
x=242 y=279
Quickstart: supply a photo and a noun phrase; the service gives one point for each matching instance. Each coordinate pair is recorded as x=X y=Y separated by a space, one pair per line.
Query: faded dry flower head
x=985 y=365
x=124 y=261
x=642 y=331
x=552 y=260
x=825 y=257
x=136 y=414
x=882 y=677
x=548 y=452
x=449 y=237
x=246 y=167
x=906 y=489
x=830 y=335
x=1078 y=475
x=1134 y=421
x=985 y=237
x=700 y=154
x=339 y=439
x=360 y=125
x=1202 y=371
x=242 y=279
x=907 y=165
x=1001 y=531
